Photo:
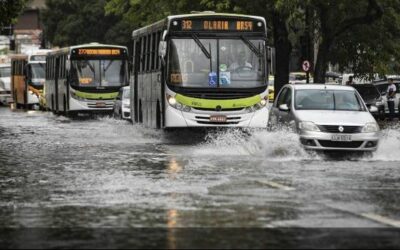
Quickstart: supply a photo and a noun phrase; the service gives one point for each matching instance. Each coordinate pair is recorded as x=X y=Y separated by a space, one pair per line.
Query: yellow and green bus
x=85 y=78
x=201 y=70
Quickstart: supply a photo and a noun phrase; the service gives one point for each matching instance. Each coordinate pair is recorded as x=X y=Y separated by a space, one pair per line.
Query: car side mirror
x=373 y=109
x=284 y=108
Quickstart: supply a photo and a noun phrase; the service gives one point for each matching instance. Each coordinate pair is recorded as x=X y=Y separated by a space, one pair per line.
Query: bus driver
x=241 y=62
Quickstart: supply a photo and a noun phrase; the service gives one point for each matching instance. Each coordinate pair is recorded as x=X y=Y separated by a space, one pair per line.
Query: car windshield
x=368 y=91
x=195 y=63
x=99 y=73
x=5 y=72
x=37 y=71
x=343 y=100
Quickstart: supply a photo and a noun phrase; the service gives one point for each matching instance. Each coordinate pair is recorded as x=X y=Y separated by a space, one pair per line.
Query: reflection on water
x=101 y=173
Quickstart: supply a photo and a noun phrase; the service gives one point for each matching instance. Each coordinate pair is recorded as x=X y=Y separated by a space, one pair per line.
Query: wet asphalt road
x=103 y=174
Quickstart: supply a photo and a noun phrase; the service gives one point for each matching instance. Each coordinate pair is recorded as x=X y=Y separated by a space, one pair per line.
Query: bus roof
x=166 y=21
x=67 y=50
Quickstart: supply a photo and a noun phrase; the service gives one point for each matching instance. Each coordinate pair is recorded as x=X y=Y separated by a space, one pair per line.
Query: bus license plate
x=342 y=138
x=100 y=105
x=219 y=119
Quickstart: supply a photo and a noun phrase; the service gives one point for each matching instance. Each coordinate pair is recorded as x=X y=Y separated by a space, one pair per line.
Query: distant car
x=327 y=117
x=383 y=87
x=271 y=89
x=371 y=97
x=122 y=108
x=5 y=84
x=299 y=78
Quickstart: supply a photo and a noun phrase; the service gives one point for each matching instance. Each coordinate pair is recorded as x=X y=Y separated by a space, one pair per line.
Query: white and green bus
x=85 y=78
x=201 y=70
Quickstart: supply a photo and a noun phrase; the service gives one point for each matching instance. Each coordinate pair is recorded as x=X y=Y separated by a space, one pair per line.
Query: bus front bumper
x=178 y=119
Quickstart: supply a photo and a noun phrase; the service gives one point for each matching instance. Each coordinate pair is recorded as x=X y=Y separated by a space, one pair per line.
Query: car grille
x=335 y=129
x=334 y=144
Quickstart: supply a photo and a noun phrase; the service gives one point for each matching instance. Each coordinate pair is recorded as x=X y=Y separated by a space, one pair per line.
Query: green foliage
x=9 y=10
x=374 y=48
x=70 y=22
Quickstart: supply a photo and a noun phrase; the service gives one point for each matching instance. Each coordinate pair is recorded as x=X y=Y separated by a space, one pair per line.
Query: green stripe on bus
x=224 y=104
x=96 y=96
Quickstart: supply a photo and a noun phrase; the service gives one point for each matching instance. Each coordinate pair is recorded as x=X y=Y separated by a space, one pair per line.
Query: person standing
x=350 y=81
x=391 y=97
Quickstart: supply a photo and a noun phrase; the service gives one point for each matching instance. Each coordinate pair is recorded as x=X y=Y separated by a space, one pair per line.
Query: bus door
x=136 y=67
x=56 y=83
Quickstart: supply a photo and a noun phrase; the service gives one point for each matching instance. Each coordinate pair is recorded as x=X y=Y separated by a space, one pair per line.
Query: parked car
x=327 y=117
x=5 y=84
x=383 y=87
x=372 y=97
x=271 y=88
x=122 y=108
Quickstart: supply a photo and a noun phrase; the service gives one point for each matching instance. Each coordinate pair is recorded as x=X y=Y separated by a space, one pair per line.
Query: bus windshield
x=37 y=71
x=195 y=63
x=99 y=73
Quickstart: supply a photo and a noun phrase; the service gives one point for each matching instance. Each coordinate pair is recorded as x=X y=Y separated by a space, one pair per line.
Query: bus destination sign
x=99 y=52
x=217 y=25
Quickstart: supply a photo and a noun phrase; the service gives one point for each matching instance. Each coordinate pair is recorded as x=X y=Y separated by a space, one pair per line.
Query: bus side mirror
x=162 y=49
x=68 y=65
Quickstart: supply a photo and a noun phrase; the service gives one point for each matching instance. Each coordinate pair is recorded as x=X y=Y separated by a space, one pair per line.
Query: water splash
x=389 y=148
x=282 y=145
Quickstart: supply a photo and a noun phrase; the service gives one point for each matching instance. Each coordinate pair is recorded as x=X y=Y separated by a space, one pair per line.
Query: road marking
x=381 y=219
x=276 y=185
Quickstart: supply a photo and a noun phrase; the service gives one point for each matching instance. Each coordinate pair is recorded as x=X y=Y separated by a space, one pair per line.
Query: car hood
x=343 y=118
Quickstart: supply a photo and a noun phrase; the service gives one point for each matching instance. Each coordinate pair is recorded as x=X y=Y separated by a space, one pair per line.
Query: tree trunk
x=322 y=61
x=283 y=49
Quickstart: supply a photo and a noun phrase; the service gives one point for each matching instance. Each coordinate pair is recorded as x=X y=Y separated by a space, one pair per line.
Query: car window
x=288 y=97
x=281 y=98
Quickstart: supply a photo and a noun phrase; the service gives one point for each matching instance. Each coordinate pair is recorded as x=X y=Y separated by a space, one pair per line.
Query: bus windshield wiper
x=203 y=48
x=252 y=47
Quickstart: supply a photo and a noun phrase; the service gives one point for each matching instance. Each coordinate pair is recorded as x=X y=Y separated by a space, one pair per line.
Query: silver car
x=327 y=117
x=122 y=109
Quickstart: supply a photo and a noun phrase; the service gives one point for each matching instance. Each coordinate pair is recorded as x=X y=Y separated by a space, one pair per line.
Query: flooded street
x=62 y=174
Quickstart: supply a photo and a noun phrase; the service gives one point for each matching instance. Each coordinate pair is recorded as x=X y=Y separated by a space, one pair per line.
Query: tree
x=336 y=17
x=10 y=9
x=369 y=49
x=71 y=22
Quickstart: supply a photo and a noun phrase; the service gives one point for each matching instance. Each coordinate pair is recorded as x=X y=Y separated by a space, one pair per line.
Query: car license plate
x=343 y=138
x=219 y=119
x=100 y=105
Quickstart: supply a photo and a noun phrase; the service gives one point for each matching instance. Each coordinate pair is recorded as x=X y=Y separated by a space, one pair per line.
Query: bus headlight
x=177 y=105
x=73 y=95
x=172 y=101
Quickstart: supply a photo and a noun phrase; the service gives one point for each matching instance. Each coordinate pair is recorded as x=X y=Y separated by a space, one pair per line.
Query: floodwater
x=98 y=174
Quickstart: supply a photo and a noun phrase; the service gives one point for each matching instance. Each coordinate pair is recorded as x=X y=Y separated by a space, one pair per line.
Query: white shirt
x=236 y=65
x=393 y=88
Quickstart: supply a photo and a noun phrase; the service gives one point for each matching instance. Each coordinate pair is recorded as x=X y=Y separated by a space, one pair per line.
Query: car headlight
x=370 y=128
x=309 y=126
